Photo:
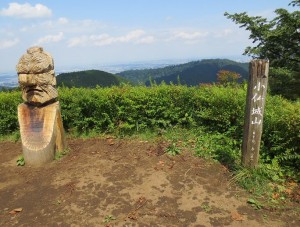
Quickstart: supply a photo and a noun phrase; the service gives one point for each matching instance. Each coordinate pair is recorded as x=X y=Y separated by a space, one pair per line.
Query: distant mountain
x=4 y=88
x=8 y=80
x=192 y=73
x=89 y=78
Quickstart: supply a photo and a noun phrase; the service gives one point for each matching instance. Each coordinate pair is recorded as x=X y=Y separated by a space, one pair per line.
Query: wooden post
x=40 y=121
x=41 y=132
x=255 y=105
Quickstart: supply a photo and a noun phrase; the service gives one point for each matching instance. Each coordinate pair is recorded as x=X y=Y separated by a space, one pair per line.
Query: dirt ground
x=111 y=182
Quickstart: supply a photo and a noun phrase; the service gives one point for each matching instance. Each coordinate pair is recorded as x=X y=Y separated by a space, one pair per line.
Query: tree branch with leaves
x=278 y=40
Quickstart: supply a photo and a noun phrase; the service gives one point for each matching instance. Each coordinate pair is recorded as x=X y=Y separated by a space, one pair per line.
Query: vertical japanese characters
x=256 y=95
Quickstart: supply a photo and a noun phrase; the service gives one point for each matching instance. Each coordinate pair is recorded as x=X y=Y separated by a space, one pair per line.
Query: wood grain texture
x=37 y=77
x=40 y=120
x=41 y=132
x=255 y=105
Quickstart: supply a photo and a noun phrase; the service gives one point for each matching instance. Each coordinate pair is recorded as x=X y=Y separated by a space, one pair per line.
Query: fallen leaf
x=236 y=216
x=275 y=195
x=292 y=184
x=14 y=211
x=161 y=163
x=288 y=191
x=18 y=209
x=110 y=141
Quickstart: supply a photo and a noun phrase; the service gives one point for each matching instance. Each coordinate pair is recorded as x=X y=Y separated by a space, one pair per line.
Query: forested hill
x=192 y=73
x=88 y=78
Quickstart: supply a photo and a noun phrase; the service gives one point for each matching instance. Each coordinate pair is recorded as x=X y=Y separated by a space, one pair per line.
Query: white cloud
x=26 y=10
x=135 y=36
x=131 y=36
x=190 y=35
x=146 y=40
x=101 y=40
x=8 y=43
x=51 y=38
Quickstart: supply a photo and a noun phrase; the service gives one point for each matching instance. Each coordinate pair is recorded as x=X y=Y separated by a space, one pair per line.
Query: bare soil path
x=110 y=182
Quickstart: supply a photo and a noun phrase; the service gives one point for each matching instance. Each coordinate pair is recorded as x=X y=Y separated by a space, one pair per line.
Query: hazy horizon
x=114 y=32
x=132 y=64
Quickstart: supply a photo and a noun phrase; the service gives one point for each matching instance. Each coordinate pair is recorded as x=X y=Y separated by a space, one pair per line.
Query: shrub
x=281 y=131
x=9 y=101
x=127 y=109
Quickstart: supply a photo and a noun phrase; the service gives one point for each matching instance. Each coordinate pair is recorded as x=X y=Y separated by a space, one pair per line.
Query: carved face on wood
x=36 y=77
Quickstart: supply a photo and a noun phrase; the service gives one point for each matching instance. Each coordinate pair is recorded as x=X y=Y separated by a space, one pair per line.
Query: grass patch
x=20 y=161
x=108 y=218
x=173 y=149
x=14 y=137
x=60 y=154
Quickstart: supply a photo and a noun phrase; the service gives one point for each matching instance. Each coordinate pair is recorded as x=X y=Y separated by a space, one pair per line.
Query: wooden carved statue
x=40 y=121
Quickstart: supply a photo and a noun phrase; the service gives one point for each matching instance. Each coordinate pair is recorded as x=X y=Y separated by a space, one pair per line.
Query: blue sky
x=103 y=32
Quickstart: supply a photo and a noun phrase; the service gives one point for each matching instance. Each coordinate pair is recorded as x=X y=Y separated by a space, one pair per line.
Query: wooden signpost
x=255 y=105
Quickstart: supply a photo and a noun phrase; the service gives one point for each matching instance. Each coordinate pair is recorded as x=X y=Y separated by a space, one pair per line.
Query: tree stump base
x=41 y=131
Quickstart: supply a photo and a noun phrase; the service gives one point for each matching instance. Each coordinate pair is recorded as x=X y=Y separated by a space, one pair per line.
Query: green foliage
x=60 y=154
x=191 y=73
x=285 y=82
x=257 y=205
x=8 y=111
x=173 y=149
x=221 y=109
x=89 y=78
x=267 y=181
x=277 y=40
x=142 y=75
x=226 y=77
x=109 y=218
x=281 y=134
x=206 y=207
x=125 y=109
x=215 y=112
x=86 y=110
x=20 y=161
x=218 y=146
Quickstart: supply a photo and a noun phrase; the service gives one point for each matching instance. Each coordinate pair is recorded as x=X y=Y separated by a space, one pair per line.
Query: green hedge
x=128 y=109
x=137 y=108
x=9 y=102
x=281 y=131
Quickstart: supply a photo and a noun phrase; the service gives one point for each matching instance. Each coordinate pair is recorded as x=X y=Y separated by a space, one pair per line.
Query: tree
x=285 y=83
x=277 y=40
x=225 y=77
